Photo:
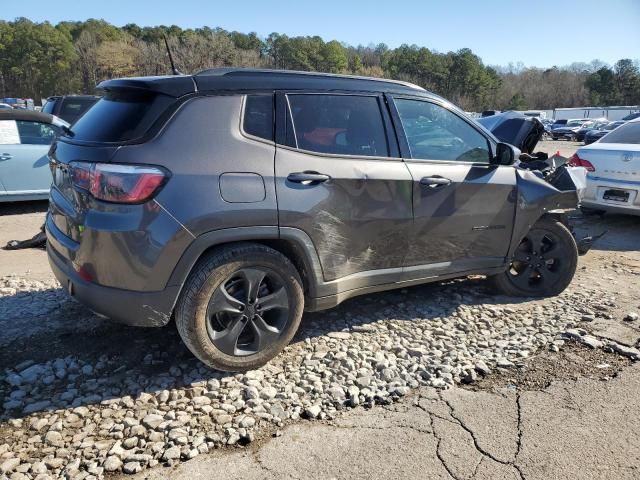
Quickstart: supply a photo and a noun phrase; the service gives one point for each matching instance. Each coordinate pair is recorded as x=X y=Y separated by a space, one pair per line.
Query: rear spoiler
x=171 y=85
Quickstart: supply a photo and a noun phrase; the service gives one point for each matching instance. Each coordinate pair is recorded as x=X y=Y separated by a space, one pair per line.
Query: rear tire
x=544 y=263
x=240 y=306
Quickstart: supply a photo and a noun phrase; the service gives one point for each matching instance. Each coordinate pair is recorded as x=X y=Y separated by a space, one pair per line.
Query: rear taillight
x=576 y=161
x=118 y=183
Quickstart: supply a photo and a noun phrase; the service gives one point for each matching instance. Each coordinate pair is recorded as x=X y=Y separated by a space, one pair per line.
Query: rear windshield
x=627 y=133
x=120 y=116
x=72 y=108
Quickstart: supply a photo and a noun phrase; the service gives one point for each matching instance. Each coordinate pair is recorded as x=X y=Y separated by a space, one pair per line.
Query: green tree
x=333 y=57
x=627 y=77
x=517 y=102
x=37 y=59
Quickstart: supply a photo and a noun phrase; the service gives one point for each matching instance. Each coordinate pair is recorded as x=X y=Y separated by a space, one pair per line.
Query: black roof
x=230 y=79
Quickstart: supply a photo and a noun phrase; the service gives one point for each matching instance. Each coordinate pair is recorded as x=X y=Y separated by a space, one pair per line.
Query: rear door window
x=20 y=132
x=627 y=133
x=337 y=124
x=120 y=116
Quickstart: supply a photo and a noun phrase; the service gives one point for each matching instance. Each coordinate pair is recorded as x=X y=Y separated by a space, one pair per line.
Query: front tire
x=241 y=305
x=544 y=263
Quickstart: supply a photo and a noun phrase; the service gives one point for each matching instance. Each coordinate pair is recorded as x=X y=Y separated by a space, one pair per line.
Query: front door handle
x=434 y=182
x=308 y=177
x=5 y=156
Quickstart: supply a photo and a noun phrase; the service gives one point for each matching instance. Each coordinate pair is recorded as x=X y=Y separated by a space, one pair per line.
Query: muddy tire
x=544 y=263
x=240 y=306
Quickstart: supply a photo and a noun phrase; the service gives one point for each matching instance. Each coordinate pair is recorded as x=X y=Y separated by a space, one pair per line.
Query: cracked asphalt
x=578 y=429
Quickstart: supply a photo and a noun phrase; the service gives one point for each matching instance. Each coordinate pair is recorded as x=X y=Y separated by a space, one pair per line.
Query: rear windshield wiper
x=67 y=131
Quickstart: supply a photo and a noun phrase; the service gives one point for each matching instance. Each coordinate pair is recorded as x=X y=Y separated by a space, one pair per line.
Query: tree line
x=41 y=59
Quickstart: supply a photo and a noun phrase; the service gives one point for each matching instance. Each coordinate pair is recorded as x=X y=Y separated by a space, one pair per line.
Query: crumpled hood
x=516 y=129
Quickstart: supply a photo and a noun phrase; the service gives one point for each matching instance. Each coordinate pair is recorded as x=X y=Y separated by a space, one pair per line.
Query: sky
x=539 y=33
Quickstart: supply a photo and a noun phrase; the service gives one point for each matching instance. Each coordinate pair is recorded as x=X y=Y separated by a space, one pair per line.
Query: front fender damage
x=536 y=198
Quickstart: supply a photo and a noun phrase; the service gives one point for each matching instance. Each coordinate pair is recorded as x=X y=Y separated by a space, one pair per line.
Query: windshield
x=627 y=133
x=575 y=123
x=612 y=125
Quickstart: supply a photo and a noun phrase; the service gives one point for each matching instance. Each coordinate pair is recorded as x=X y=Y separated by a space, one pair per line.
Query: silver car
x=25 y=138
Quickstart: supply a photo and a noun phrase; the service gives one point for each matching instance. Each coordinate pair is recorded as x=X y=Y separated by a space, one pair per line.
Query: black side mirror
x=506 y=154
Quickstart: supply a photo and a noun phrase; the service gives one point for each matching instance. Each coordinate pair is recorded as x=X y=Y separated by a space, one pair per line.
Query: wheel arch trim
x=259 y=234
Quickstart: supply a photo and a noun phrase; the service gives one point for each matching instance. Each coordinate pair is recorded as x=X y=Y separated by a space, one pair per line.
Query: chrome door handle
x=434 y=182
x=308 y=178
x=5 y=156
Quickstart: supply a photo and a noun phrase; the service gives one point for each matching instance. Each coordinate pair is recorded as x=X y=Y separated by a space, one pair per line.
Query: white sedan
x=613 y=171
x=25 y=137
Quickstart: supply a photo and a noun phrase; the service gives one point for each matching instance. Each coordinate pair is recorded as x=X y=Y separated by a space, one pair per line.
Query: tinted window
x=73 y=108
x=120 y=116
x=258 y=116
x=49 y=106
x=19 y=132
x=338 y=124
x=435 y=133
x=627 y=133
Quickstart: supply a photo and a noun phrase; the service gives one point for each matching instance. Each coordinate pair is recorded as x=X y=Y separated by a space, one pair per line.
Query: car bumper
x=143 y=309
x=594 y=195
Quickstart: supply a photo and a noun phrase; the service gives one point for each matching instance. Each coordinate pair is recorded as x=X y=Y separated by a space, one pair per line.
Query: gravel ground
x=83 y=397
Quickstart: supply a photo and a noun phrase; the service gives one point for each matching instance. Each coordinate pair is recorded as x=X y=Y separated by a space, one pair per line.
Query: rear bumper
x=143 y=309
x=607 y=207
x=595 y=193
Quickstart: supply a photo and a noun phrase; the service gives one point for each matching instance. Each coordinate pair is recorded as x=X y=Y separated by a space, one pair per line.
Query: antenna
x=173 y=67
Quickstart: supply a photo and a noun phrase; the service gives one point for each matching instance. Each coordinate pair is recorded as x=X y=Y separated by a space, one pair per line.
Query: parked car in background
x=547 y=123
x=69 y=107
x=558 y=123
x=22 y=103
x=233 y=199
x=5 y=106
x=586 y=127
x=569 y=129
x=631 y=116
x=613 y=166
x=594 y=135
x=25 y=137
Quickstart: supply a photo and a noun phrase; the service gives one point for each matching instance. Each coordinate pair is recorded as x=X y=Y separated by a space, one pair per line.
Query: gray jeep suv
x=233 y=199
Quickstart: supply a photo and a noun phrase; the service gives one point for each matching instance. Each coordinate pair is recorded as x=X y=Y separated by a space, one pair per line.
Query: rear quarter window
x=120 y=116
x=627 y=133
x=258 y=116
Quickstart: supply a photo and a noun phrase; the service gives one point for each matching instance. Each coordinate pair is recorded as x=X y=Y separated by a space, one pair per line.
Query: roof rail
x=223 y=71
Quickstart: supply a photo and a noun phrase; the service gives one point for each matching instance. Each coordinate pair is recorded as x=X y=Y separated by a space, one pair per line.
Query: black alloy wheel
x=536 y=260
x=543 y=264
x=248 y=311
x=241 y=305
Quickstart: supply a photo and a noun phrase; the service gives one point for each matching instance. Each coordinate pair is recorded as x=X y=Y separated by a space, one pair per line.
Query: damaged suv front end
x=547 y=184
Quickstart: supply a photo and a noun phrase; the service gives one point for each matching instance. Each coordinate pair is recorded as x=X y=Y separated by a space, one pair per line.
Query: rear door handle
x=434 y=182
x=5 y=156
x=308 y=177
